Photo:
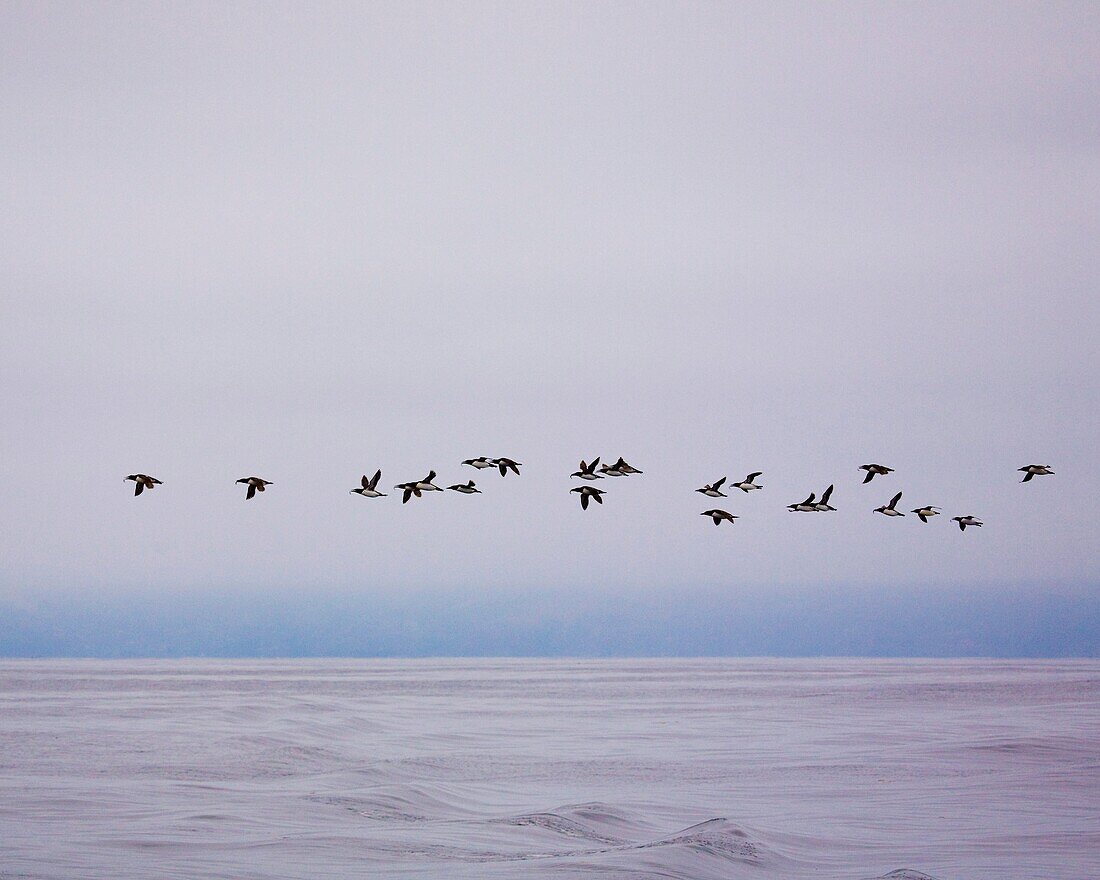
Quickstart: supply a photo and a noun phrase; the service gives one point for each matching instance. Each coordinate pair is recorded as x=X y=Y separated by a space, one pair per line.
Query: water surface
x=695 y=769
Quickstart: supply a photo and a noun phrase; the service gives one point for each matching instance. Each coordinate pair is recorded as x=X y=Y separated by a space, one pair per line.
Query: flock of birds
x=592 y=471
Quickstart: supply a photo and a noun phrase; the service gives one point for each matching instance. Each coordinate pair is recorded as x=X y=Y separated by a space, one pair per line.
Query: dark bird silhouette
x=806 y=506
x=965 y=521
x=369 y=489
x=747 y=484
x=874 y=470
x=587 y=492
x=888 y=509
x=506 y=464
x=255 y=484
x=1035 y=470
x=718 y=515
x=714 y=490
x=142 y=482
x=466 y=488
x=588 y=471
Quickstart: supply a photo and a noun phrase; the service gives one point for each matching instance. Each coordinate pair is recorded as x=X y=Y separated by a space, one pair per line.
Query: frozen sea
x=696 y=769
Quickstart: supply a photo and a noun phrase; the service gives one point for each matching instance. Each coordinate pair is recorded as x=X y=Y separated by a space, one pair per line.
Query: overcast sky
x=306 y=241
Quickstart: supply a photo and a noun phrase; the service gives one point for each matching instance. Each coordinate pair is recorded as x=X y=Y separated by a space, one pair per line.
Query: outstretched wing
x=251 y=492
x=828 y=492
x=810 y=500
x=598 y=496
x=894 y=500
x=753 y=476
x=718 y=485
x=406 y=495
x=1027 y=477
x=139 y=487
x=870 y=476
x=584 y=500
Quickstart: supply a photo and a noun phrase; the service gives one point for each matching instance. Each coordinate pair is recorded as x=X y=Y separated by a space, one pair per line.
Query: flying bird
x=747 y=484
x=718 y=515
x=926 y=513
x=874 y=470
x=888 y=509
x=369 y=489
x=714 y=490
x=625 y=468
x=612 y=470
x=255 y=484
x=466 y=488
x=506 y=464
x=587 y=471
x=806 y=506
x=417 y=488
x=587 y=492
x=481 y=462
x=142 y=482
x=1035 y=470
x=965 y=521
x=823 y=504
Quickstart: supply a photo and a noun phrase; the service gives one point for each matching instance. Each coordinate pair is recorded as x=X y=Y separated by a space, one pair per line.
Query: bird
x=806 y=506
x=142 y=482
x=588 y=471
x=587 y=492
x=506 y=464
x=612 y=470
x=873 y=470
x=627 y=469
x=1035 y=470
x=466 y=488
x=926 y=513
x=747 y=484
x=417 y=488
x=255 y=484
x=714 y=490
x=480 y=462
x=965 y=521
x=369 y=489
x=718 y=515
x=823 y=503
x=888 y=509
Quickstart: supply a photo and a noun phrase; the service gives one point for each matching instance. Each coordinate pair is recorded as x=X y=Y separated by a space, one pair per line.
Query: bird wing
x=365 y=482
x=810 y=500
x=598 y=496
x=753 y=476
x=894 y=500
x=502 y=467
x=374 y=480
x=251 y=492
x=406 y=495
x=825 y=497
x=870 y=476
x=718 y=485
x=584 y=500
x=262 y=485
x=921 y=516
x=1027 y=477
x=139 y=487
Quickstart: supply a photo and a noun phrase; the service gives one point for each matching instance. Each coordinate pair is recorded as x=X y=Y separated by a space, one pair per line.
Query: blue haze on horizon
x=309 y=241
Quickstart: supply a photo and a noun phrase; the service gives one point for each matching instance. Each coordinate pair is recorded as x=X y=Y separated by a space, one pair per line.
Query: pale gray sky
x=309 y=240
